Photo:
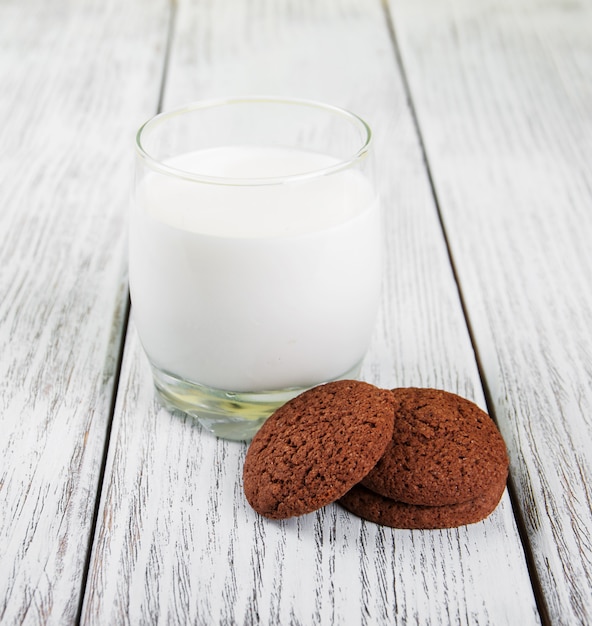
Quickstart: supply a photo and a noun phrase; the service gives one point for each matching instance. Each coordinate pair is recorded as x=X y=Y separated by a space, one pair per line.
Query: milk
x=255 y=287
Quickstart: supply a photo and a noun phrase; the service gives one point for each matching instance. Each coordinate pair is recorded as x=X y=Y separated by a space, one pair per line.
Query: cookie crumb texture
x=445 y=450
x=316 y=447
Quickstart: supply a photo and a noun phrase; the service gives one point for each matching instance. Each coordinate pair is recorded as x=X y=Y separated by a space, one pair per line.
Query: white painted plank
x=75 y=78
x=177 y=542
x=504 y=99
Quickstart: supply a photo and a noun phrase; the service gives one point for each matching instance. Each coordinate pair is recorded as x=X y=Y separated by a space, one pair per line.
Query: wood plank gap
x=95 y=516
x=167 y=54
x=121 y=345
x=520 y=522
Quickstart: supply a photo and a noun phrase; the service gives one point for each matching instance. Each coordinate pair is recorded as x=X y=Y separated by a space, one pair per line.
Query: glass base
x=226 y=414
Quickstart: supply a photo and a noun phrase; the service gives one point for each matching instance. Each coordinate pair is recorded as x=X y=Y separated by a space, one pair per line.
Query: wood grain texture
x=176 y=541
x=503 y=93
x=76 y=77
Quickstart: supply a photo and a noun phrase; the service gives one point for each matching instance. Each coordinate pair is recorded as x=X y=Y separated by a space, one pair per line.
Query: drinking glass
x=254 y=254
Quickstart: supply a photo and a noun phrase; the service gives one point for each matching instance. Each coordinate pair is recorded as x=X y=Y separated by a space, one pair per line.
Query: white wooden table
x=113 y=511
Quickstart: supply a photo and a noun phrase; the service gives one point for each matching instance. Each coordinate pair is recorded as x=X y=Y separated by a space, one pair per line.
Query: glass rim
x=160 y=166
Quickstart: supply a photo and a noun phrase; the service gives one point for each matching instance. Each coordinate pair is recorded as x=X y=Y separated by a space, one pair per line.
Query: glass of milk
x=254 y=254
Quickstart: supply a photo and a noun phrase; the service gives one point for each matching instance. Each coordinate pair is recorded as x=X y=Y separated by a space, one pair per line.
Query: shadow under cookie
x=380 y=510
